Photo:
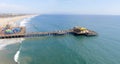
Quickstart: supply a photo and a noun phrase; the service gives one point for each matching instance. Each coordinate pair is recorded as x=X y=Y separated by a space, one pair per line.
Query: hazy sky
x=61 y=6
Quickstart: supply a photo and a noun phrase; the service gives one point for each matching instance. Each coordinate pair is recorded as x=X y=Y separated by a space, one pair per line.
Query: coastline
x=5 y=52
x=12 y=21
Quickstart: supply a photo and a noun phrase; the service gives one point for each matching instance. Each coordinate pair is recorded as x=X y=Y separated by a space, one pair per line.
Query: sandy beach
x=4 y=52
x=11 y=21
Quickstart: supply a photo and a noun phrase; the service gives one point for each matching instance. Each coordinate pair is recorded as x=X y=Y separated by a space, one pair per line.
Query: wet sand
x=11 y=21
x=7 y=54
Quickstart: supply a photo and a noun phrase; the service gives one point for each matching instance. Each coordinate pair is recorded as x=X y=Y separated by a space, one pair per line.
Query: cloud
x=4 y=7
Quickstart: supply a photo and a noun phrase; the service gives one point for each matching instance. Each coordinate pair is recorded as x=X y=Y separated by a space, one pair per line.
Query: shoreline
x=5 y=52
x=12 y=21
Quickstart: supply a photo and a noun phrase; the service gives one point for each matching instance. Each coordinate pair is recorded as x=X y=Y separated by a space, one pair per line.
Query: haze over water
x=70 y=49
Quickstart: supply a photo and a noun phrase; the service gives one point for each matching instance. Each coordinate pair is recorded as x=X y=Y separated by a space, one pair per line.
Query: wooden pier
x=38 y=34
x=23 y=34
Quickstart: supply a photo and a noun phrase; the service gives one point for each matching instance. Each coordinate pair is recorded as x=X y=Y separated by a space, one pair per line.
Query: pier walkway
x=38 y=34
x=35 y=34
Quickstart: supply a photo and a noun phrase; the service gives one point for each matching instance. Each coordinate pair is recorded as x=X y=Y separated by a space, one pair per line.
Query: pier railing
x=34 y=34
x=38 y=34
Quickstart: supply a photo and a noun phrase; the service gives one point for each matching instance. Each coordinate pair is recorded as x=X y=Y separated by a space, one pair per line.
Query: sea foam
x=25 y=21
x=16 y=56
x=6 y=42
x=22 y=23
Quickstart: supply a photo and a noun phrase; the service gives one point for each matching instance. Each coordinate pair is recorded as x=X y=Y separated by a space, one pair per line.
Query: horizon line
x=60 y=14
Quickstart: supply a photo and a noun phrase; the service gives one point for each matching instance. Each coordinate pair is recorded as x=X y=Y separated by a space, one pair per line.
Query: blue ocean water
x=70 y=49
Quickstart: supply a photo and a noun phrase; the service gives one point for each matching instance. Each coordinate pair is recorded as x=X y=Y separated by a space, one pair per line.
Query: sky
x=102 y=7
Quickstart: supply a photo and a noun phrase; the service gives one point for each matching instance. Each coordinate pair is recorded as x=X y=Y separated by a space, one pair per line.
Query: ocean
x=66 y=49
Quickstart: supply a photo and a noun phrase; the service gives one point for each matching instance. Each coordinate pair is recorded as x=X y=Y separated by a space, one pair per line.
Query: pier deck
x=38 y=34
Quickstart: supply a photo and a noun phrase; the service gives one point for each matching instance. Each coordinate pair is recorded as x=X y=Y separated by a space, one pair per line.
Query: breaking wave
x=25 y=21
x=22 y=23
x=6 y=42
x=16 y=57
